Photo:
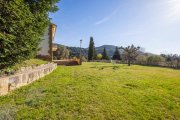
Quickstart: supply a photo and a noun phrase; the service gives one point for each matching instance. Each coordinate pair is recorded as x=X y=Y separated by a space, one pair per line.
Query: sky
x=151 y=24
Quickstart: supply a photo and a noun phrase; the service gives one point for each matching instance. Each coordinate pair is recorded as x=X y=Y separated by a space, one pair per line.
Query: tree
x=173 y=60
x=61 y=53
x=99 y=56
x=130 y=52
x=116 y=55
x=141 y=59
x=94 y=54
x=91 y=50
x=155 y=60
x=22 y=24
x=104 y=55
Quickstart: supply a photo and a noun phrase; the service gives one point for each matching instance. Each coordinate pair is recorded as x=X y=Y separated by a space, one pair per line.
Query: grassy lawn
x=98 y=91
x=29 y=62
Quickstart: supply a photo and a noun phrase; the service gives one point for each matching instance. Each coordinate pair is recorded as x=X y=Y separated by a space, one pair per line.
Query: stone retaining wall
x=68 y=62
x=24 y=77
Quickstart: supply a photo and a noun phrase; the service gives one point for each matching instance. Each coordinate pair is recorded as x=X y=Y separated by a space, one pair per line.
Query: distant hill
x=75 y=50
x=109 y=48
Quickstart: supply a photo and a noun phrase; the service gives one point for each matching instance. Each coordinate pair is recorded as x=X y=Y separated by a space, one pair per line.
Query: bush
x=155 y=60
x=22 y=24
x=141 y=59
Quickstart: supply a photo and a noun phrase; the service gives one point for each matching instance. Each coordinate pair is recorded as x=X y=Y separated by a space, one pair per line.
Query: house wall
x=44 y=45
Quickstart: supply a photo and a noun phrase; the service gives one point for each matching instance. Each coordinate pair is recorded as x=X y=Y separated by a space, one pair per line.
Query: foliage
x=61 y=53
x=104 y=55
x=96 y=93
x=141 y=59
x=84 y=59
x=91 y=50
x=172 y=60
x=130 y=53
x=155 y=60
x=94 y=54
x=99 y=56
x=26 y=63
x=74 y=51
x=22 y=24
x=116 y=55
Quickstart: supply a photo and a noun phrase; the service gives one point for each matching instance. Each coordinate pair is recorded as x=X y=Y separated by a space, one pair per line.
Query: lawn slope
x=98 y=91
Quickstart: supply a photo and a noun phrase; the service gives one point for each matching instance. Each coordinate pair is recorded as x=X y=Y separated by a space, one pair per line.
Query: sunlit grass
x=30 y=62
x=98 y=91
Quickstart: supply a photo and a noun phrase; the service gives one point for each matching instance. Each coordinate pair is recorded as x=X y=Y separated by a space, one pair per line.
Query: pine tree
x=104 y=55
x=116 y=55
x=91 y=49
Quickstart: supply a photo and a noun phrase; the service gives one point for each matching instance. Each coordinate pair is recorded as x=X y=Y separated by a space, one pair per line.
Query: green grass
x=29 y=62
x=98 y=91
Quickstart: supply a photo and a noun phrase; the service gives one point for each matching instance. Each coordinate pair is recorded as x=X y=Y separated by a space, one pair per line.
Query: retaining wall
x=68 y=62
x=24 y=77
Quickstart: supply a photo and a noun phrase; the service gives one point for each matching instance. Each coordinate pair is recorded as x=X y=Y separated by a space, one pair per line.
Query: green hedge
x=22 y=23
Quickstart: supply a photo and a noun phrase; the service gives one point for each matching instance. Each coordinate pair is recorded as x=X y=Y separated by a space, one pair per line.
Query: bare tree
x=130 y=52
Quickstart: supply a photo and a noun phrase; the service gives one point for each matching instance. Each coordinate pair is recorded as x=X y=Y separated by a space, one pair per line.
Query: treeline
x=133 y=55
x=170 y=60
x=128 y=55
x=92 y=54
x=22 y=24
x=65 y=52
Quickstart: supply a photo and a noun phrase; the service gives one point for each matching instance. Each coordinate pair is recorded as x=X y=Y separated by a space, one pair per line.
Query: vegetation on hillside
x=98 y=91
x=22 y=25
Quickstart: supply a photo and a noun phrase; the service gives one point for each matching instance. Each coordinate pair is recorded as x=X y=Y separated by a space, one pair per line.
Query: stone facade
x=45 y=45
x=24 y=77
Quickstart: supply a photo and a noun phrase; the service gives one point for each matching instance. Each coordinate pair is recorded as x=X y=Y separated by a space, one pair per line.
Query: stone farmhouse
x=46 y=50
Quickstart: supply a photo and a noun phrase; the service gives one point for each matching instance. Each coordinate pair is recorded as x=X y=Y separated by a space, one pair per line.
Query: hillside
x=109 y=48
x=75 y=50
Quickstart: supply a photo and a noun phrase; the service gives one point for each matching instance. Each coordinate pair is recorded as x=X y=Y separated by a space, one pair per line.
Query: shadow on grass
x=103 y=67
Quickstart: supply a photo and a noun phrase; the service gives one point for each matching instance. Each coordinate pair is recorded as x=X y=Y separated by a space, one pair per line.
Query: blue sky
x=152 y=24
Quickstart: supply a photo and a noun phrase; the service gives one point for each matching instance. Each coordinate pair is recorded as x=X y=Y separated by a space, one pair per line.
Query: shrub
x=155 y=60
x=22 y=24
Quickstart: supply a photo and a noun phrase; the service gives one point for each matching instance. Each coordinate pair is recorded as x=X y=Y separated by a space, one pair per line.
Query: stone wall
x=68 y=62
x=24 y=77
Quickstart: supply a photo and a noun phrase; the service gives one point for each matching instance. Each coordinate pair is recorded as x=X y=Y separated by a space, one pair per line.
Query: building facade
x=46 y=50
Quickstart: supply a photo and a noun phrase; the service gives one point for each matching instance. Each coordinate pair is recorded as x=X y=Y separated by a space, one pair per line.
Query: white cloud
x=107 y=18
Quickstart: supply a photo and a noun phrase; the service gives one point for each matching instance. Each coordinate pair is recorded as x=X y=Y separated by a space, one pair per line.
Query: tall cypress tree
x=116 y=55
x=104 y=55
x=94 y=54
x=91 y=49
